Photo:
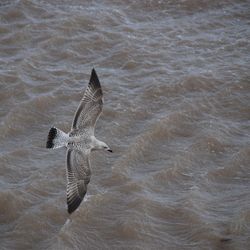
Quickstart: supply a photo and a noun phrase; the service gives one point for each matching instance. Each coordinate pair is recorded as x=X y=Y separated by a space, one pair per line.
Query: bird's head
x=107 y=148
x=102 y=146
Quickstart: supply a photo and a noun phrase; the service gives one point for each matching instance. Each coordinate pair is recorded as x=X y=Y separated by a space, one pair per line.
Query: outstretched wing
x=78 y=177
x=90 y=106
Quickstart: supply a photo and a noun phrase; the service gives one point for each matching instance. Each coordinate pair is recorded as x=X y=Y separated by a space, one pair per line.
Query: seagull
x=80 y=141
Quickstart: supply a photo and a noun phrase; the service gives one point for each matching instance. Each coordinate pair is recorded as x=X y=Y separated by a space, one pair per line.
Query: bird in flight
x=80 y=141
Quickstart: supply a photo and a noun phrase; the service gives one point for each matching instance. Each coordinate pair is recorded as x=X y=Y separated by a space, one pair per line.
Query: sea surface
x=176 y=83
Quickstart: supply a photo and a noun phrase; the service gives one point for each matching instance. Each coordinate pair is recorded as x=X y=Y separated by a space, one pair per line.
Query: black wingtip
x=51 y=137
x=94 y=79
x=74 y=205
x=93 y=71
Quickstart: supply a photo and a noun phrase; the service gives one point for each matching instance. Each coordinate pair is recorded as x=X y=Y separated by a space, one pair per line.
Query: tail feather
x=56 y=138
x=51 y=137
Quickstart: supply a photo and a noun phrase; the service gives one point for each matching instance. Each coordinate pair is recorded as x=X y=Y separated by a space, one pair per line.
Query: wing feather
x=90 y=106
x=78 y=177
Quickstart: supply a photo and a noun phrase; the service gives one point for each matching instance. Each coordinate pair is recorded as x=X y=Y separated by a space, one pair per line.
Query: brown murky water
x=175 y=76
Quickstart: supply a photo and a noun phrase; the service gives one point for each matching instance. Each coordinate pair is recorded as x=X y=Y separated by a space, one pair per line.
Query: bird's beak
x=110 y=150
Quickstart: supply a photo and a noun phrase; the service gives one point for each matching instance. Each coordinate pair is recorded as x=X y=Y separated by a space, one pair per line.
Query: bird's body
x=80 y=141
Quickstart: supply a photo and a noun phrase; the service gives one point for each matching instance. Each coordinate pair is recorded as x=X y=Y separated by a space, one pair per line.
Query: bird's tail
x=56 y=138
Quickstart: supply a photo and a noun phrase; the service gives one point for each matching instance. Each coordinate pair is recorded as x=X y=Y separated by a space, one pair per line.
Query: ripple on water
x=13 y=204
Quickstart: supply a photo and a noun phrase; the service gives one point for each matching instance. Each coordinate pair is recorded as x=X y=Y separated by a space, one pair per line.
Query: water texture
x=175 y=76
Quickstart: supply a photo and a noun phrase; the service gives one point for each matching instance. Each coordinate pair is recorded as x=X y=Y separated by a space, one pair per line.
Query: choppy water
x=175 y=76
